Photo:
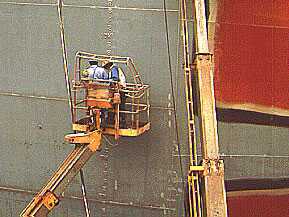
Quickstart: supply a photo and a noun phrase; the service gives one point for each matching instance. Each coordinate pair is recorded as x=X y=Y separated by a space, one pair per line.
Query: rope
x=83 y=189
x=109 y=142
x=64 y=56
x=68 y=89
x=174 y=102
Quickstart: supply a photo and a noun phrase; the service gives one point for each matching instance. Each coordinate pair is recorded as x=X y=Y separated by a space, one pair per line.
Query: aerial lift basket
x=97 y=107
x=105 y=104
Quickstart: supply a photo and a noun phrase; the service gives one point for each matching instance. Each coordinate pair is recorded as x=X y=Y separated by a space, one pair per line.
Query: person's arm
x=114 y=74
x=121 y=77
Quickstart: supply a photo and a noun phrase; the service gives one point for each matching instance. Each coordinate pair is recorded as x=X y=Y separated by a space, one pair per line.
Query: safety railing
x=118 y=107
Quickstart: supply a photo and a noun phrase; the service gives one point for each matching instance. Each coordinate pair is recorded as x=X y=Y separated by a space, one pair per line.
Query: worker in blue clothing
x=117 y=75
x=95 y=72
x=100 y=74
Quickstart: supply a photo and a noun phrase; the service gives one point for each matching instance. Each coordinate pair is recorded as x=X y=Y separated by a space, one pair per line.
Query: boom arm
x=48 y=197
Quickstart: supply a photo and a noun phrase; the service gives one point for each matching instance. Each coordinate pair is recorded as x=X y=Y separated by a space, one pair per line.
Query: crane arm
x=48 y=197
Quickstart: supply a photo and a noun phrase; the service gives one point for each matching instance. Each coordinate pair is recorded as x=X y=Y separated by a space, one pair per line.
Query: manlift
x=90 y=99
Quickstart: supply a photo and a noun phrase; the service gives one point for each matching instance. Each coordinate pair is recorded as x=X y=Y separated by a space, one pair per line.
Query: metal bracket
x=92 y=138
x=203 y=56
x=208 y=167
x=50 y=200
x=197 y=168
x=213 y=167
x=192 y=173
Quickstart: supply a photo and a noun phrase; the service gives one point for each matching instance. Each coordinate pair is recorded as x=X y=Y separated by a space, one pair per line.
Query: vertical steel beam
x=214 y=195
x=206 y=104
x=200 y=26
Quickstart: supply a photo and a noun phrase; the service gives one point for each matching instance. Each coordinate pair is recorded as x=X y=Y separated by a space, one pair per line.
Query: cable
x=83 y=189
x=68 y=88
x=109 y=142
x=174 y=102
x=64 y=56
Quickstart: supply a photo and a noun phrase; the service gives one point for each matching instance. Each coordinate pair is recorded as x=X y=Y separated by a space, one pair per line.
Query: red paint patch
x=259 y=206
x=252 y=53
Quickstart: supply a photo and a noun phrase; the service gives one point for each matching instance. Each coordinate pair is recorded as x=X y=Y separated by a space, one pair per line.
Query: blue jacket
x=96 y=72
x=114 y=73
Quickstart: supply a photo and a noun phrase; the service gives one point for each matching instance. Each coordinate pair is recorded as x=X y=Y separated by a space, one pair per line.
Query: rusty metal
x=50 y=200
x=214 y=195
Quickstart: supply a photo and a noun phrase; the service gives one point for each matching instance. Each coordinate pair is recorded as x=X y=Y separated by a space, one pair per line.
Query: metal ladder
x=193 y=179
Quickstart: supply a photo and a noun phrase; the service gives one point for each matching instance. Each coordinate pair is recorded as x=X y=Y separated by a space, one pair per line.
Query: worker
x=117 y=75
x=95 y=72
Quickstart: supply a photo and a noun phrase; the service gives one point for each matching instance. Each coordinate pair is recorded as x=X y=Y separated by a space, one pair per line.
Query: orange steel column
x=214 y=194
